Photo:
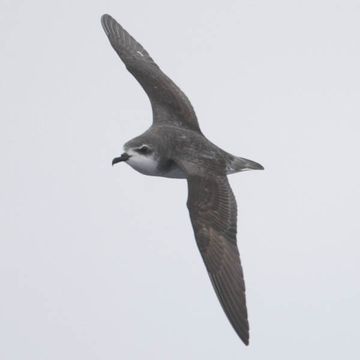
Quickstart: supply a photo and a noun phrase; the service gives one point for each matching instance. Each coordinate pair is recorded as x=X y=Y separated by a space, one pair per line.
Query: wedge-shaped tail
x=241 y=164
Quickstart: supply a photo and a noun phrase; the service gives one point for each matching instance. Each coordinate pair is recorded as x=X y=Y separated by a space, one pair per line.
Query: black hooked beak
x=123 y=157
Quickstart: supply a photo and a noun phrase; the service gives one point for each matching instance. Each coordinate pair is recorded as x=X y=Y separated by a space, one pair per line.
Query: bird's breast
x=154 y=167
x=144 y=165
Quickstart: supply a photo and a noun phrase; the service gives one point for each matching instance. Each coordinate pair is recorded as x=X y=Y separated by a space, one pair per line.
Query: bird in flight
x=175 y=147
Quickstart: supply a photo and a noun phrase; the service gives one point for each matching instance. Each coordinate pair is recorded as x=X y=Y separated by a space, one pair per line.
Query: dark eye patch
x=144 y=150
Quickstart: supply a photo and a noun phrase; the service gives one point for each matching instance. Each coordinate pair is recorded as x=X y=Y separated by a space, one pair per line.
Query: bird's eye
x=144 y=150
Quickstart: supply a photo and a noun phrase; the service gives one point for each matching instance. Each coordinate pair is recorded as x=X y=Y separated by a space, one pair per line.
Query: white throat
x=144 y=164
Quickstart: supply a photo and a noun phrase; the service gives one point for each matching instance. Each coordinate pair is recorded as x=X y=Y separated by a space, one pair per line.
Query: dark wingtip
x=106 y=21
x=104 y=17
x=243 y=335
x=103 y=20
x=246 y=341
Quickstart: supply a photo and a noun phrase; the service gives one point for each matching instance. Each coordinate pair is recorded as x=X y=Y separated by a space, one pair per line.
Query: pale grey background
x=100 y=262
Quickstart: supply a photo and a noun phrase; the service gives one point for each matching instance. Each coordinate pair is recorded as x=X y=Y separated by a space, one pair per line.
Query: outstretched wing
x=213 y=214
x=169 y=103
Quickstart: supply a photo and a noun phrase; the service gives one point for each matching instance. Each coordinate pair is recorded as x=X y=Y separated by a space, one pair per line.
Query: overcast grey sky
x=99 y=262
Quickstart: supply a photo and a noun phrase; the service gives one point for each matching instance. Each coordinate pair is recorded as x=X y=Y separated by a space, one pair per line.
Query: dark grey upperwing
x=213 y=214
x=169 y=103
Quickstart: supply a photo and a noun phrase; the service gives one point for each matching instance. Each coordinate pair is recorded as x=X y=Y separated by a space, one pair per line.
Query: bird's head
x=143 y=151
x=140 y=154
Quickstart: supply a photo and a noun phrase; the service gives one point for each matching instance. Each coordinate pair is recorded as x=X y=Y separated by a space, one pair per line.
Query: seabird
x=175 y=147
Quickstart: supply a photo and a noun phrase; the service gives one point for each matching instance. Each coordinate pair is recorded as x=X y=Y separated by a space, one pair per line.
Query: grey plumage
x=175 y=147
x=167 y=100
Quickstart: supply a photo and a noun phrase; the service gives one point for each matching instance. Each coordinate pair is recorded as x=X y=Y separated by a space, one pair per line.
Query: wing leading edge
x=169 y=104
x=213 y=213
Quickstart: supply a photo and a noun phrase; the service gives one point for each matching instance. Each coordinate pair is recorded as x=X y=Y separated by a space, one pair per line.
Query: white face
x=142 y=160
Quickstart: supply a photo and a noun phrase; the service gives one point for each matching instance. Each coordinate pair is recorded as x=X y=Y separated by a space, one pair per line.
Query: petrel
x=175 y=147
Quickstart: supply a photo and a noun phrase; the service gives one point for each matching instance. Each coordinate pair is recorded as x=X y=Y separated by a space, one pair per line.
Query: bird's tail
x=240 y=164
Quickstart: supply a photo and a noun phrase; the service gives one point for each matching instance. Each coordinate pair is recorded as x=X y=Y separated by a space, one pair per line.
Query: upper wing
x=168 y=102
x=213 y=214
